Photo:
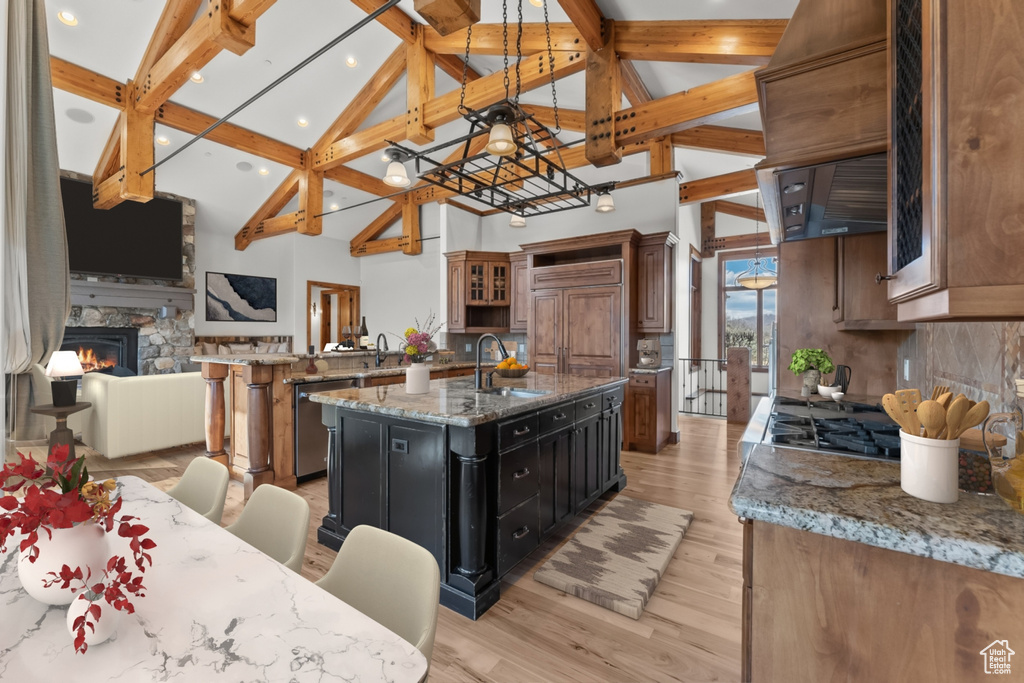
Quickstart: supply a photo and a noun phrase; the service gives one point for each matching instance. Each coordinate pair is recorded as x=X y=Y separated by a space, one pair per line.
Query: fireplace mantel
x=85 y=293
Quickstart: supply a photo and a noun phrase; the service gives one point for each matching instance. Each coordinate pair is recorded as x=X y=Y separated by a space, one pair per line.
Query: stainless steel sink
x=512 y=391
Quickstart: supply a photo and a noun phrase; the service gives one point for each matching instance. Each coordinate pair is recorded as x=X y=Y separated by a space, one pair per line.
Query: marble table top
x=861 y=500
x=216 y=609
x=456 y=402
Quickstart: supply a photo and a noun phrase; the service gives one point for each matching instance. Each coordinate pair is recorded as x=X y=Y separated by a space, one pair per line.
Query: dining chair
x=203 y=487
x=392 y=580
x=276 y=522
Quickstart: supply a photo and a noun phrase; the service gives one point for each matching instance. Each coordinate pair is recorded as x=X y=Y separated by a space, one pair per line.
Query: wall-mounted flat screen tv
x=133 y=239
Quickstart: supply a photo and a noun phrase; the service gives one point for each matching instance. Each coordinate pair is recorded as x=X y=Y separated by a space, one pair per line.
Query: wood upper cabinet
x=479 y=291
x=860 y=301
x=956 y=214
x=520 y=293
x=655 y=268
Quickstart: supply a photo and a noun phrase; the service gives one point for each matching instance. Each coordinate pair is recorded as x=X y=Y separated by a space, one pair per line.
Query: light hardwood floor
x=690 y=630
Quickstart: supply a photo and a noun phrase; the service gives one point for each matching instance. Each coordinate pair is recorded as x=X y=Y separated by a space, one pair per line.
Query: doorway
x=330 y=306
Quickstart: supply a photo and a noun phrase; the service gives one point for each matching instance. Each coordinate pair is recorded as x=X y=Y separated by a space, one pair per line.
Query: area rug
x=617 y=559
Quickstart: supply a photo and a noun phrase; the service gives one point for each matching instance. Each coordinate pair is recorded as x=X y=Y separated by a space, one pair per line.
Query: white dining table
x=216 y=609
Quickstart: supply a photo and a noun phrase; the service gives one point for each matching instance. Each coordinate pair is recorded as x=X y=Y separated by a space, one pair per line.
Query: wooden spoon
x=933 y=418
x=945 y=399
x=908 y=400
x=974 y=417
x=955 y=415
x=939 y=390
x=893 y=410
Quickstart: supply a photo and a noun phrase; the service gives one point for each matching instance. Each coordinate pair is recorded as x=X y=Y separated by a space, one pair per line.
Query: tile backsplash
x=981 y=360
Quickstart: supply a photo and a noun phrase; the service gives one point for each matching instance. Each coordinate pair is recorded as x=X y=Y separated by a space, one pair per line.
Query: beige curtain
x=36 y=288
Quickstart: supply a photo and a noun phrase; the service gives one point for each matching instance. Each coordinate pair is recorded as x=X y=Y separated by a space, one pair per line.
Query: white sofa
x=132 y=415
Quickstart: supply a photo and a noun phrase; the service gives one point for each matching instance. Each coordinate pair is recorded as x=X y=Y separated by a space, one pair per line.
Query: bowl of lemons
x=510 y=367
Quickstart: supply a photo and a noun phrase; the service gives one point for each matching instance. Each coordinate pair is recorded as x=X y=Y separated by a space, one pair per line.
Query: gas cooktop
x=845 y=428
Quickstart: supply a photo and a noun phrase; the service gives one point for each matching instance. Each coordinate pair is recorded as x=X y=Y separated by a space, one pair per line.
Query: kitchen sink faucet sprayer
x=478 y=375
x=379 y=361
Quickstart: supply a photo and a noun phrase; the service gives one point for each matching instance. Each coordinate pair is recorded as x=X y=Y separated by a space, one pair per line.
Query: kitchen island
x=846 y=577
x=478 y=479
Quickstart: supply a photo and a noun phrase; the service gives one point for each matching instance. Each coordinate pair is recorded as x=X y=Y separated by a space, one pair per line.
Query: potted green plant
x=811 y=363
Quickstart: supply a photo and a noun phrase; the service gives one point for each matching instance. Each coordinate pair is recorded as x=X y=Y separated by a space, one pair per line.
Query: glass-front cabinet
x=488 y=283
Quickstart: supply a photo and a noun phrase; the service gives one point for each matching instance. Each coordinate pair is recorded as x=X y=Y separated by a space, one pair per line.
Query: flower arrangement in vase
x=60 y=496
x=417 y=342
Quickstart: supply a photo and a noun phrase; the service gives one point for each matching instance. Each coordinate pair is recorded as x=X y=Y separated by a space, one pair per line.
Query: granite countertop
x=861 y=500
x=455 y=401
x=299 y=377
x=251 y=359
x=648 y=371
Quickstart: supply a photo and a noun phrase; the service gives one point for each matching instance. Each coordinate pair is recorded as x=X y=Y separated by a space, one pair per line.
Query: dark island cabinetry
x=480 y=498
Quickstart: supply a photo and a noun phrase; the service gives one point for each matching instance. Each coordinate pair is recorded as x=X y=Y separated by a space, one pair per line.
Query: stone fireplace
x=100 y=348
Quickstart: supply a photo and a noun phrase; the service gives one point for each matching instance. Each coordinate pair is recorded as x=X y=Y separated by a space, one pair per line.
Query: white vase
x=84 y=545
x=106 y=625
x=417 y=378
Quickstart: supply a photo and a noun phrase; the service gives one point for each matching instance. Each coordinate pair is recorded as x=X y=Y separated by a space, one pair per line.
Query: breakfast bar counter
x=478 y=478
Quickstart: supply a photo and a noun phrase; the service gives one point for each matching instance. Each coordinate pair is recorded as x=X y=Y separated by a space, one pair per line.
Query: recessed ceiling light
x=302 y=123
x=67 y=18
x=334 y=207
x=351 y=61
x=264 y=171
x=197 y=77
x=162 y=140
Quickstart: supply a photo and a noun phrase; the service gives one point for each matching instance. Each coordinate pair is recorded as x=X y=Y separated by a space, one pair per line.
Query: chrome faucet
x=379 y=361
x=479 y=345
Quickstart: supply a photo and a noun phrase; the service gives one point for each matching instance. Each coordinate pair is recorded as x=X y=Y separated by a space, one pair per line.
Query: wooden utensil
x=893 y=410
x=974 y=417
x=939 y=390
x=944 y=400
x=908 y=400
x=933 y=418
x=955 y=415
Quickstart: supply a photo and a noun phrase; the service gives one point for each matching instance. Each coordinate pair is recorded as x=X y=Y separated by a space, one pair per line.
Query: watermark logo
x=997 y=657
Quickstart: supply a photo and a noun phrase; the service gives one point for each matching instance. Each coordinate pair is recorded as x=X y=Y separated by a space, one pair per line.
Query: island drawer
x=556 y=417
x=518 y=533
x=585 y=407
x=518 y=430
x=614 y=397
x=518 y=476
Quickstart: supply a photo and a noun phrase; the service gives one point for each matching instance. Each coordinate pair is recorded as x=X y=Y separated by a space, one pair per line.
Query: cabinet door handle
x=589 y=406
x=525 y=472
x=879 y=277
x=519 y=533
x=560 y=416
x=521 y=432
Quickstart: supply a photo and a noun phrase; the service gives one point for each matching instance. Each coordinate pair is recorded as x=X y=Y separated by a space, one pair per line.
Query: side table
x=62 y=435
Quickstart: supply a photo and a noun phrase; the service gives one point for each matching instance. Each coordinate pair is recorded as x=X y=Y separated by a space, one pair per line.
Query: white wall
x=321 y=259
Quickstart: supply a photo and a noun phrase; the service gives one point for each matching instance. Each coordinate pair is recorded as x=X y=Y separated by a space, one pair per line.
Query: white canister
x=417 y=378
x=929 y=468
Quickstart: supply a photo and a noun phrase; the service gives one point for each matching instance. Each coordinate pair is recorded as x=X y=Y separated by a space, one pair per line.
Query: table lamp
x=64 y=364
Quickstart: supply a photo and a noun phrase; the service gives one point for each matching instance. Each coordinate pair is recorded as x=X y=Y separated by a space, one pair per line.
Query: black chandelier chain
x=465 y=71
x=551 y=67
x=504 y=35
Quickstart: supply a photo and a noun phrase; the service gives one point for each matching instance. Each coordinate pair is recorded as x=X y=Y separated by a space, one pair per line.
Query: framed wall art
x=241 y=298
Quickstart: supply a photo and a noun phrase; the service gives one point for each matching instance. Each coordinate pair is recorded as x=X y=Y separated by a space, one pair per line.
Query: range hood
x=824 y=110
x=841 y=198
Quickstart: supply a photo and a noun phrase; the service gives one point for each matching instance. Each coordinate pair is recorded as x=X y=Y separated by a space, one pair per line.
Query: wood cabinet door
x=498 y=283
x=457 y=289
x=653 y=313
x=861 y=303
x=520 y=302
x=586 y=455
x=592 y=322
x=477 y=282
x=555 y=480
x=545 y=335
x=642 y=417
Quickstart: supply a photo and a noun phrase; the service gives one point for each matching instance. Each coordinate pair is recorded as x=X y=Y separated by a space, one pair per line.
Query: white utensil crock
x=929 y=468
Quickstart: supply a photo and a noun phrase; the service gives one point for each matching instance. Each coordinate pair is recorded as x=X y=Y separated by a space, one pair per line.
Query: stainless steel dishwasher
x=310 y=431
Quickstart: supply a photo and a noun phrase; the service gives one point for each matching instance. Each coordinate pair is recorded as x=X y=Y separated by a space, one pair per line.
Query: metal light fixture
x=605 y=202
x=396 y=175
x=500 y=141
x=757 y=275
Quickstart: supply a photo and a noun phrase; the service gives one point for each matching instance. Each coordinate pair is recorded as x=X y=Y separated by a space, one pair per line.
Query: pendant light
x=517 y=221
x=757 y=275
x=396 y=175
x=605 y=203
x=500 y=141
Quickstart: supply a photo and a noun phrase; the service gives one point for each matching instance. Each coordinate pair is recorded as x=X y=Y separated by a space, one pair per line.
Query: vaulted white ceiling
x=111 y=37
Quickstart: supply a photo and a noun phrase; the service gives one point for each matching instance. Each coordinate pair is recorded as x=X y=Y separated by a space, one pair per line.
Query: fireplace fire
x=102 y=348
x=91 y=362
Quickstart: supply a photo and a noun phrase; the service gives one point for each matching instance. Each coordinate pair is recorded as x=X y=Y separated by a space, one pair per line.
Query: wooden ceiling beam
x=754 y=213
x=632 y=85
x=662 y=157
x=603 y=101
x=275 y=225
x=172 y=24
x=360 y=143
x=377 y=226
x=110 y=158
x=137 y=153
x=453 y=66
x=568 y=119
x=214 y=31
x=358 y=180
x=717 y=187
x=750 y=41
x=419 y=79
x=489 y=39
x=722 y=139
x=248 y=11
x=695 y=107
x=271 y=207
x=85 y=83
x=411 y=245
x=380 y=246
x=394 y=20
x=587 y=18
x=311 y=202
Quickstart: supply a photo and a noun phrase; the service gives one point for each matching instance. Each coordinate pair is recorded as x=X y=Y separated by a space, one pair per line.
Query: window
x=746 y=315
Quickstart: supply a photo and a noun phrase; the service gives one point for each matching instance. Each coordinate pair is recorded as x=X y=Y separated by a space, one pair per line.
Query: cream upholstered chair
x=203 y=487
x=391 y=580
x=277 y=522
